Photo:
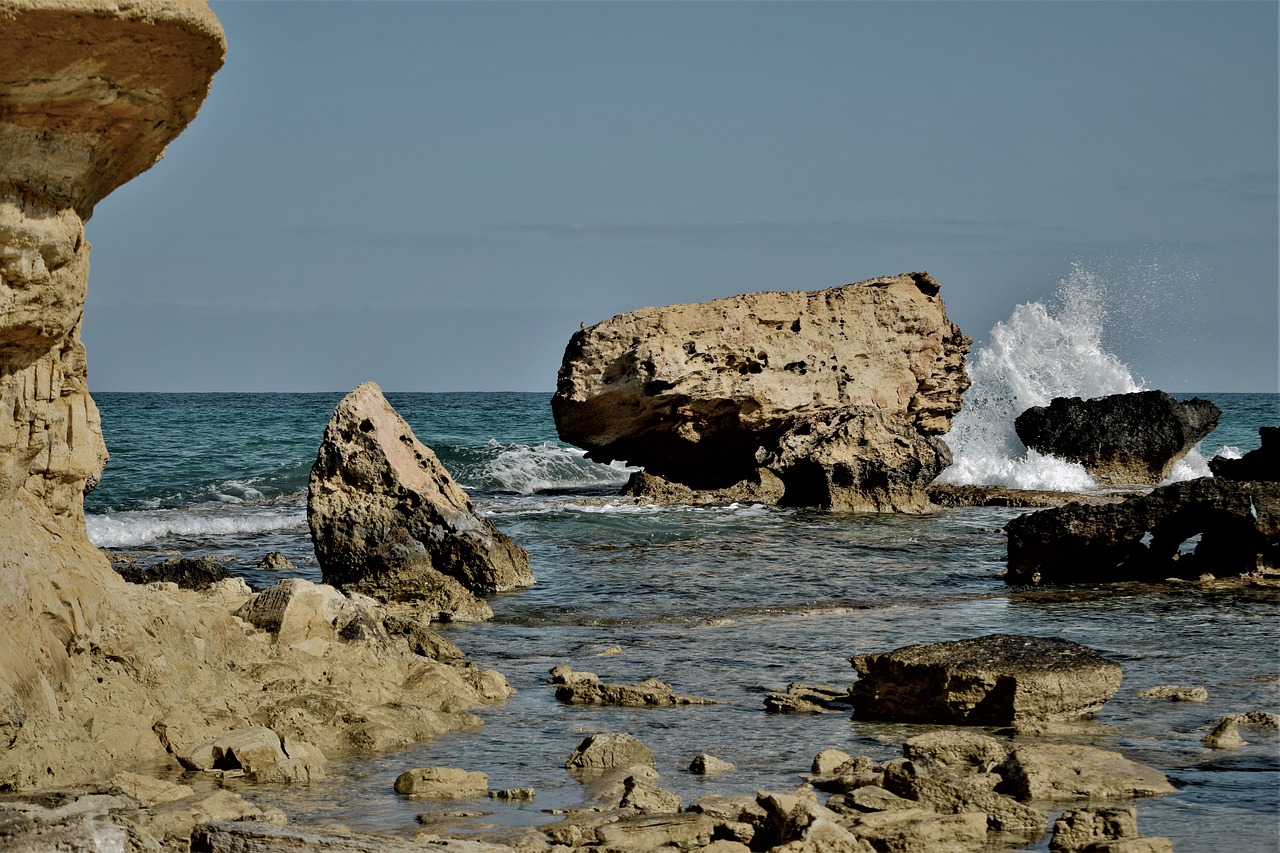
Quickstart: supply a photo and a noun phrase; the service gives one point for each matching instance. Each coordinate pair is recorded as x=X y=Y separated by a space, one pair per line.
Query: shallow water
x=719 y=602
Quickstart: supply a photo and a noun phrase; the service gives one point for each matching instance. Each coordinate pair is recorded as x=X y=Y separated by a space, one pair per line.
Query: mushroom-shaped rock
x=1121 y=439
x=388 y=521
x=830 y=398
x=996 y=680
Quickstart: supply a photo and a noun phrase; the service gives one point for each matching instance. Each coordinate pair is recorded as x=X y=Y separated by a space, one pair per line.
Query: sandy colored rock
x=443 y=783
x=917 y=830
x=1174 y=693
x=609 y=750
x=388 y=521
x=825 y=398
x=965 y=750
x=999 y=679
x=149 y=791
x=1067 y=772
x=585 y=688
x=705 y=764
x=260 y=753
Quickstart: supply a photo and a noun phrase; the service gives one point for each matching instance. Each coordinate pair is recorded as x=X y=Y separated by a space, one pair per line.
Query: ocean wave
x=1040 y=352
x=134 y=528
x=532 y=468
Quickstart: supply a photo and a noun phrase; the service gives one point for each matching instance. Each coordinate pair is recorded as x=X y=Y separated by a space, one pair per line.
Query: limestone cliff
x=95 y=673
x=820 y=390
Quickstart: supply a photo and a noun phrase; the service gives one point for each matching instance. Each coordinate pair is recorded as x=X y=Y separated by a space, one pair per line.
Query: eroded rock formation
x=96 y=673
x=1120 y=439
x=388 y=521
x=1184 y=530
x=830 y=398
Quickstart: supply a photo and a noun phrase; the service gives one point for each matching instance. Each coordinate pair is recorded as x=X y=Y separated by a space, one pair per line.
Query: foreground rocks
x=831 y=398
x=1183 y=530
x=1120 y=439
x=388 y=521
x=995 y=680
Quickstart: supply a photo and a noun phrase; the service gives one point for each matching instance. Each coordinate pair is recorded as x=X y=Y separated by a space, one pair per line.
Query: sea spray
x=1040 y=352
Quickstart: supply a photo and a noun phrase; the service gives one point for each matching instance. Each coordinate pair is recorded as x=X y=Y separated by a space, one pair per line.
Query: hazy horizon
x=434 y=196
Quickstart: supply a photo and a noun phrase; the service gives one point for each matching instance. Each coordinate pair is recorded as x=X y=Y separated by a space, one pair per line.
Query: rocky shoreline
x=833 y=399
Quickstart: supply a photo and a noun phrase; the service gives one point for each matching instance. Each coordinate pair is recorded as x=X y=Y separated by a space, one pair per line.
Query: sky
x=434 y=196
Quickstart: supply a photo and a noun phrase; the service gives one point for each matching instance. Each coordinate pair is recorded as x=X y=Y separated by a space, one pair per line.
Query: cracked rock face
x=712 y=394
x=388 y=521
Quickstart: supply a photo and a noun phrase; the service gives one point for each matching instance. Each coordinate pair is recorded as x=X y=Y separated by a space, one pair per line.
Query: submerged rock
x=995 y=680
x=1208 y=525
x=831 y=398
x=585 y=688
x=388 y=521
x=1121 y=439
x=443 y=783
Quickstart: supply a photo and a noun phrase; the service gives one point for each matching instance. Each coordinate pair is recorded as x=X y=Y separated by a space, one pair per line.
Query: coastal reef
x=1219 y=526
x=1120 y=439
x=388 y=521
x=832 y=398
x=97 y=674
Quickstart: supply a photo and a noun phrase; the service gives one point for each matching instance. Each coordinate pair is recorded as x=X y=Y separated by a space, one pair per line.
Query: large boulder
x=388 y=521
x=1120 y=439
x=830 y=398
x=1151 y=537
x=996 y=680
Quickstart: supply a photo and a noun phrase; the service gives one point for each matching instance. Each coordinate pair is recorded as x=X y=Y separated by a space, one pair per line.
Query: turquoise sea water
x=720 y=602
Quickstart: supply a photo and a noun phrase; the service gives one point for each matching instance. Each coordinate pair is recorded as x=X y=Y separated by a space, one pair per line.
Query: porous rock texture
x=97 y=674
x=388 y=521
x=1152 y=537
x=1120 y=439
x=996 y=680
x=832 y=398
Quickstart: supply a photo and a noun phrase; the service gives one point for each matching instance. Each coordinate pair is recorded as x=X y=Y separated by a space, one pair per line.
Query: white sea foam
x=141 y=527
x=1039 y=353
x=526 y=469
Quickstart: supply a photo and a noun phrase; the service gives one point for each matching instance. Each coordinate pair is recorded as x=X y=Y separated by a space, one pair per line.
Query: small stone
x=442 y=783
x=275 y=560
x=609 y=750
x=515 y=795
x=708 y=765
x=1176 y=694
x=829 y=761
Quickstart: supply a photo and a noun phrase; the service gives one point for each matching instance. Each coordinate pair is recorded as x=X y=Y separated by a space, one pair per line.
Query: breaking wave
x=1041 y=352
x=134 y=528
x=531 y=468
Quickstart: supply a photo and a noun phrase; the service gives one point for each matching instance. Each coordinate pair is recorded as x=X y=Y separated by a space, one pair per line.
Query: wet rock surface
x=1183 y=530
x=831 y=398
x=1121 y=439
x=999 y=679
x=585 y=688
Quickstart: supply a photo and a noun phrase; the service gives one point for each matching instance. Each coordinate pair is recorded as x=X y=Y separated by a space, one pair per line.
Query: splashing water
x=1039 y=353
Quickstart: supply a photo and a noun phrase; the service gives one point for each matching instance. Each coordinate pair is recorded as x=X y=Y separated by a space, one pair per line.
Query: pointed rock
x=388 y=521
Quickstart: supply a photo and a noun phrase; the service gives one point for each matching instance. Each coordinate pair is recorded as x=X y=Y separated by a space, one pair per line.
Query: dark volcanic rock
x=1121 y=438
x=1260 y=464
x=1151 y=537
x=950 y=495
x=186 y=572
x=995 y=680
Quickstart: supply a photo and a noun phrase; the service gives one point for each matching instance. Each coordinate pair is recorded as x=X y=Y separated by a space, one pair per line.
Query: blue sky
x=434 y=195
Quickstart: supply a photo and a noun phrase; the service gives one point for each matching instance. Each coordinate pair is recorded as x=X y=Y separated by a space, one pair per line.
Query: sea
x=728 y=602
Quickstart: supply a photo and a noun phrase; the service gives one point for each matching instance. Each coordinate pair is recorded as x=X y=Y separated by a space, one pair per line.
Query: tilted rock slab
x=1150 y=537
x=996 y=680
x=1120 y=439
x=840 y=394
x=388 y=521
